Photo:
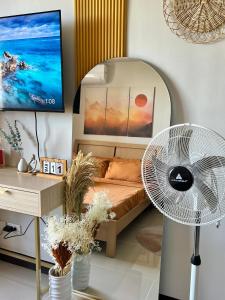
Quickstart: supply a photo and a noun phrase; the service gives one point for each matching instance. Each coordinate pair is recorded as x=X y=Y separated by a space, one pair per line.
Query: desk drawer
x=19 y=201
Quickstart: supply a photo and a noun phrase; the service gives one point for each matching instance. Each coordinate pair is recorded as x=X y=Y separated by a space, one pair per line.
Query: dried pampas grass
x=78 y=180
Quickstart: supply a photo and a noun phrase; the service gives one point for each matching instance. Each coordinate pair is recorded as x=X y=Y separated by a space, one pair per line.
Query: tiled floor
x=132 y=275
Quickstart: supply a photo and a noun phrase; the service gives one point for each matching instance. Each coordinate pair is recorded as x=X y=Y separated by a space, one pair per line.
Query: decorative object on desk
x=22 y=165
x=14 y=140
x=32 y=165
x=13 y=137
x=197 y=21
x=53 y=166
x=78 y=180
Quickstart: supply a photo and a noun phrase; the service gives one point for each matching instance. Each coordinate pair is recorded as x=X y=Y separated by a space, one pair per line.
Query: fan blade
x=184 y=143
x=214 y=182
x=209 y=162
x=208 y=194
x=161 y=169
x=181 y=144
x=159 y=165
x=179 y=198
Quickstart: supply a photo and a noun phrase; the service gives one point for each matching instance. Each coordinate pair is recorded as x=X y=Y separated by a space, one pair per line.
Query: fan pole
x=195 y=263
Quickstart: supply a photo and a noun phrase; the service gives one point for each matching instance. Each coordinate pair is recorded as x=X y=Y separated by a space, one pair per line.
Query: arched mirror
x=122 y=103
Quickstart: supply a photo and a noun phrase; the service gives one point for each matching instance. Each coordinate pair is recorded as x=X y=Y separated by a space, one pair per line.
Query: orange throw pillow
x=128 y=170
x=103 y=165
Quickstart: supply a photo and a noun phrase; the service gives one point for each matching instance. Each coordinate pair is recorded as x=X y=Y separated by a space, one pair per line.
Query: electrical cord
x=8 y=236
x=36 y=133
x=43 y=221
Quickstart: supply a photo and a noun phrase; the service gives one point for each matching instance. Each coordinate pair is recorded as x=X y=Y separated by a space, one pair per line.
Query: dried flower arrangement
x=67 y=237
x=78 y=180
x=13 y=137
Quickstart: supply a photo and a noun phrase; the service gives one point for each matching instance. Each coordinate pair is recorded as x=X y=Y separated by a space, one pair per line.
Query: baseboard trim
x=23 y=260
x=163 y=297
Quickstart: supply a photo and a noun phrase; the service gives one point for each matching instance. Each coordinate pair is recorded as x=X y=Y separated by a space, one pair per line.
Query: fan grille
x=199 y=150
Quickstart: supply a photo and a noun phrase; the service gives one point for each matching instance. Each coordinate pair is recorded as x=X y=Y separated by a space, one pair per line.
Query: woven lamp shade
x=197 y=21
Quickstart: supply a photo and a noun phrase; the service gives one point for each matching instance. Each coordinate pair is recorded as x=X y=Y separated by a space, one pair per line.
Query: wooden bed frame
x=108 y=231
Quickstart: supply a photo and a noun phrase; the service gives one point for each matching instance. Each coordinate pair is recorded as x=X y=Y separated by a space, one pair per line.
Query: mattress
x=124 y=195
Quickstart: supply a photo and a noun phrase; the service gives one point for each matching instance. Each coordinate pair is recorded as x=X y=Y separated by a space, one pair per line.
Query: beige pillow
x=127 y=169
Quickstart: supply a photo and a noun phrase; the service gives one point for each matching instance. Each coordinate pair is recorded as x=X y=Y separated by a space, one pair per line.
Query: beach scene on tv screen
x=30 y=62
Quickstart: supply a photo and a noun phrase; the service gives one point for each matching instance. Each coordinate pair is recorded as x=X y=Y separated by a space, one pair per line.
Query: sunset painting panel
x=141 y=112
x=95 y=109
x=117 y=111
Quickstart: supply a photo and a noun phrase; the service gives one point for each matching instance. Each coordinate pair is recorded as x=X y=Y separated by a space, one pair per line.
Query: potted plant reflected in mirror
x=85 y=232
x=13 y=137
x=78 y=181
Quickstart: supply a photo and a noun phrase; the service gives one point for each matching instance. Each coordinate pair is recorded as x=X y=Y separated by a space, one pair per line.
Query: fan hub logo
x=180 y=178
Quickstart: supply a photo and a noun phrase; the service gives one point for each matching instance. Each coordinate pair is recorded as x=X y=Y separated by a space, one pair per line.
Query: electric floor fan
x=183 y=171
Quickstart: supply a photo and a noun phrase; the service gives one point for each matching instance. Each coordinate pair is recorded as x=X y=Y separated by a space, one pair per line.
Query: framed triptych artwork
x=119 y=111
x=141 y=110
x=95 y=110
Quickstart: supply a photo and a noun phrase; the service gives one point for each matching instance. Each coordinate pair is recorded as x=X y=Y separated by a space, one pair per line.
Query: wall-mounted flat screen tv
x=31 y=62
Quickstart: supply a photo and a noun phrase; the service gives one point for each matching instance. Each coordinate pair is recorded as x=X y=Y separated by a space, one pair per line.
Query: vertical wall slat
x=100 y=32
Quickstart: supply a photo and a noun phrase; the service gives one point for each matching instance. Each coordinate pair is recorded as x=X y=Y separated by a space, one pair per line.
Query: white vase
x=60 y=288
x=81 y=272
x=22 y=165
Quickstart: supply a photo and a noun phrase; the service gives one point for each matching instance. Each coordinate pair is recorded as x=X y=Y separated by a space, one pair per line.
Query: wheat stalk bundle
x=78 y=180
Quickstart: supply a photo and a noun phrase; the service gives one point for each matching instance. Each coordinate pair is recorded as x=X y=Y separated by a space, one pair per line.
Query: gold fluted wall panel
x=100 y=32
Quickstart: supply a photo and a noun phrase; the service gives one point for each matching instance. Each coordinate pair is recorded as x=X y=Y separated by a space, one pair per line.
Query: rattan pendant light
x=197 y=21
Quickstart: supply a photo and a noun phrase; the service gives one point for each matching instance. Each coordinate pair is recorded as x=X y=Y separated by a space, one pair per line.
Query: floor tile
x=132 y=275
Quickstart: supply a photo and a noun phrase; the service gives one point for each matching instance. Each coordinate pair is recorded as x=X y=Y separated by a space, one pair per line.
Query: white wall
x=55 y=129
x=195 y=77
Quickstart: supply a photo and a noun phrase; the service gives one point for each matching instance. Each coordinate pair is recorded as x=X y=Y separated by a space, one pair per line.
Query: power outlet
x=18 y=228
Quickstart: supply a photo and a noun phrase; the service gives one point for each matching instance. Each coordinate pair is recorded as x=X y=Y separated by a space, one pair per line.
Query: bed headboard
x=110 y=149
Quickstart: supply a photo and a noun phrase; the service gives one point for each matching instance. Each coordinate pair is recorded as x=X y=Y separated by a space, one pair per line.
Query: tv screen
x=31 y=62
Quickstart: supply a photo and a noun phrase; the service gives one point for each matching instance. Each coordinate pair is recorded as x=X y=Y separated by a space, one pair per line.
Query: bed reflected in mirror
x=121 y=104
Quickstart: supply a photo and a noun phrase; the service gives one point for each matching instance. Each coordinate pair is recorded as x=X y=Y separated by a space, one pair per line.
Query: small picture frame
x=53 y=166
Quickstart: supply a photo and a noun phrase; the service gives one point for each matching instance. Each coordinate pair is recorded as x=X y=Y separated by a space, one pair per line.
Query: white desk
x=31 y=195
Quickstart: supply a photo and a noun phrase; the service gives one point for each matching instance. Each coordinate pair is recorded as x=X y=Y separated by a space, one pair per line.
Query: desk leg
x=38 y=258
